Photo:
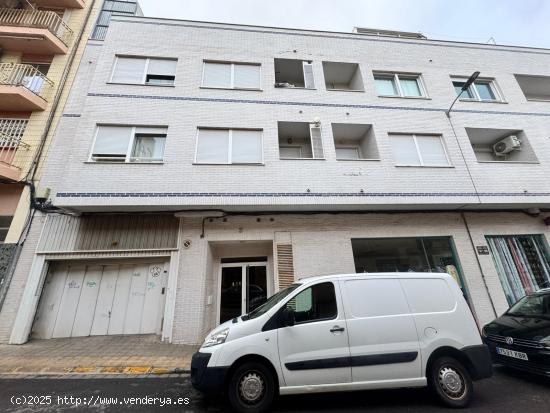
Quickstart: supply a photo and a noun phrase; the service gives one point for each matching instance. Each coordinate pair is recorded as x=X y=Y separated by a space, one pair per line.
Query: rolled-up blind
x=247 y=76
x=163 y=67
x=246 y=146
x=213 y=146
x=112 y=141
x=432 y=150
x=217 y=75
x=129 y=70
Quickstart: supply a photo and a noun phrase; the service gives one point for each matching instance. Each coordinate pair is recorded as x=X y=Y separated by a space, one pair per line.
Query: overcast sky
x=519 y=22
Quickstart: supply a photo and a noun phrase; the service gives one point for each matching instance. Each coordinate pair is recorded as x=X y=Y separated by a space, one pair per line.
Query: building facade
x=200 y=167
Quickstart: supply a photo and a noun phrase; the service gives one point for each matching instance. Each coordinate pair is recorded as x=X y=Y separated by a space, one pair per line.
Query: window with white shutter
x=231 y=75
x=128 y=144
x=229 y=146
x=144 y=71
x=129 y=70
x=419 y=150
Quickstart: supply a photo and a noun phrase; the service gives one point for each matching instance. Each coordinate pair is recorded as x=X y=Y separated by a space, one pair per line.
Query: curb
x=132 y=371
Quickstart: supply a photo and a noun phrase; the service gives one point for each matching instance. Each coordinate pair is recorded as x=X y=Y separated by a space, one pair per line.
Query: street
x=507 y=391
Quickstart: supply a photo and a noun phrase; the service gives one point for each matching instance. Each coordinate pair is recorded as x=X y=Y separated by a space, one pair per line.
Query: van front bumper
x=480 y=361
x=208 y=380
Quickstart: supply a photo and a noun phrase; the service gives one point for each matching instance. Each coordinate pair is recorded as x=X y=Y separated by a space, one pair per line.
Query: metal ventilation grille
x=285 y=265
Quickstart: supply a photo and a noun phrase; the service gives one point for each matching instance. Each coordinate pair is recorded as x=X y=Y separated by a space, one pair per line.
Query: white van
x=347 y=332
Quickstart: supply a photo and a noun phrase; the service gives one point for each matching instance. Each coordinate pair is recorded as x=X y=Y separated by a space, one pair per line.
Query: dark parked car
x=521 y=337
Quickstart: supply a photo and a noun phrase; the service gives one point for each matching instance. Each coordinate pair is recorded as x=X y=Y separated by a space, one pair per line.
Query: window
x=144 y=71
x=343 y=76
x=399 y=85
x=429 y=254
x=354 y=142
x=231 y=75
x=229 y=146
x=501 y=145
x=4 y=228
x=292 y=73
x=315 y=303
x=300 y=140
x=129 y=144
x=535 y=87
x=522 y=263
x=419 y=150
x=482 y=90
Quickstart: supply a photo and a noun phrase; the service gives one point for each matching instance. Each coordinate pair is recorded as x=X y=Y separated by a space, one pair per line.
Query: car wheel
x=451 y=382
x=251 y=388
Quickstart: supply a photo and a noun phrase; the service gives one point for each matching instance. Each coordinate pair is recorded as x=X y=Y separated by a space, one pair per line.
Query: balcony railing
x=26 y=76
x=38 y=19
x=11 y=158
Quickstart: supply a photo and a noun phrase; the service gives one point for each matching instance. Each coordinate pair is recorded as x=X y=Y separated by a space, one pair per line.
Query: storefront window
x=430 y=254
x=522 y=263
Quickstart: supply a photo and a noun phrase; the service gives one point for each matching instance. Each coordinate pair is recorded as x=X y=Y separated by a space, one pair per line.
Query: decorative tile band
x=71 y=115
x=290 y=194
x=339 y=36
x=312 y=104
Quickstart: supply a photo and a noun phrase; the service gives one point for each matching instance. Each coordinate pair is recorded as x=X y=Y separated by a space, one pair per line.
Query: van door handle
x=337 y=329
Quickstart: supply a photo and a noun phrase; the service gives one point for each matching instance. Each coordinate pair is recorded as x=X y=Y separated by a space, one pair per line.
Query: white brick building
x=212 y=163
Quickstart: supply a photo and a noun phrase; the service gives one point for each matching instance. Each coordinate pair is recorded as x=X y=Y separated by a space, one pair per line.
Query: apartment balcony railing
x=23 y=88
x=13 y=155
x=36 y=31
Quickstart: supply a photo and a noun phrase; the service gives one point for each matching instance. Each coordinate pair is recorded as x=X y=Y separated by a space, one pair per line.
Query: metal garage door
x=90 y=299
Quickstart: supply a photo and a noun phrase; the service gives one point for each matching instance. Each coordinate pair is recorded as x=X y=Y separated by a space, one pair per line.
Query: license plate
x=512 y=353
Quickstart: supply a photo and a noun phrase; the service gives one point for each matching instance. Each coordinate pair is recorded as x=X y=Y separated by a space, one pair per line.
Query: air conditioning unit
x=507 y=145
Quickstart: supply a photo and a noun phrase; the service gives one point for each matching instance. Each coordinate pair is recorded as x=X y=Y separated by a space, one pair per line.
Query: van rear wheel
x=451 y=382
x=251 y=388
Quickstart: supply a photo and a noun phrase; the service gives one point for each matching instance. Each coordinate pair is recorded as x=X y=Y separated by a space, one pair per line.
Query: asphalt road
x=506 y=392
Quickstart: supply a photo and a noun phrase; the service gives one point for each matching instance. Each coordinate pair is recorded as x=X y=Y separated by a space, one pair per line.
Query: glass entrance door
x=243 y=287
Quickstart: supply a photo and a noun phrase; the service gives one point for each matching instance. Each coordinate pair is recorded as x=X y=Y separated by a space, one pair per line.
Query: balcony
x=14 y=153
x=23 y=88
x=62 y=4
x=33 y=31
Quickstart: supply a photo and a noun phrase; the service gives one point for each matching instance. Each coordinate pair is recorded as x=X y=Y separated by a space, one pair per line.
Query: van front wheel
x=451 y=382
x=251 y=388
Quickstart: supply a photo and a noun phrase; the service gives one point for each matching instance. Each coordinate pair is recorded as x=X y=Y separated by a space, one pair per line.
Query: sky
x=512 y=22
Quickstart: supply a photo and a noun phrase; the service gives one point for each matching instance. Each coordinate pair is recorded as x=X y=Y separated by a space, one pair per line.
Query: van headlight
x=216 y=338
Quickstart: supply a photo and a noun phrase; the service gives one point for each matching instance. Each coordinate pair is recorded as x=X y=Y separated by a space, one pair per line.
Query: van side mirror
x=288 y=317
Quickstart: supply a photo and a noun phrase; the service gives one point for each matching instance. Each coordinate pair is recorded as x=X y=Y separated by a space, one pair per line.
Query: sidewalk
x=130 y=355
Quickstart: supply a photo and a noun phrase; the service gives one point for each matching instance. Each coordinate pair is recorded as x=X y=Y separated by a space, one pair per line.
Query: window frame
x=232 y=64
x=145 y=71
x=357 y=149
x=499 y=97
x=397 y=81
x=229 y=146
x=131 y=143
x=422 y=164
x=335 y=317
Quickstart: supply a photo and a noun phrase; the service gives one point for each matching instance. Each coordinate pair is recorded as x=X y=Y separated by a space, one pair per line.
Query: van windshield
x=532 y=306
x=270 y=303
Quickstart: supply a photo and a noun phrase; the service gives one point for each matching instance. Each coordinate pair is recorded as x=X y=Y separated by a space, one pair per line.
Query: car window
x=532 y=306
x=315 y=303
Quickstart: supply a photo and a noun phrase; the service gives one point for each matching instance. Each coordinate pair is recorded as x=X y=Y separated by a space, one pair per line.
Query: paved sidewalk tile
x=106 y=355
